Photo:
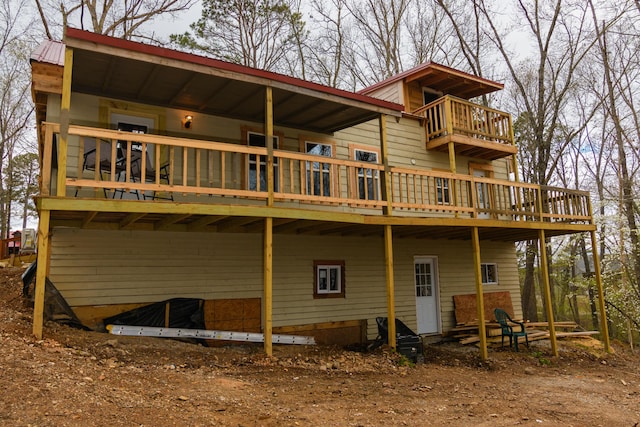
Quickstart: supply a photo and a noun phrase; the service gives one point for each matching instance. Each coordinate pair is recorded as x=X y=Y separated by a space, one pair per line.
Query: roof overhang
x=444 y=79
x=121 y=69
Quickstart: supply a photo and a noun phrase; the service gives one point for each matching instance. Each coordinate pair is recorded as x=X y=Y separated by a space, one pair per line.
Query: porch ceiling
x=403 y=228
x=114 y=68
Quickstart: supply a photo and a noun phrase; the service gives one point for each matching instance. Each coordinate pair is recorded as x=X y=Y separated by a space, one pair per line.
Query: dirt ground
x=79 y=378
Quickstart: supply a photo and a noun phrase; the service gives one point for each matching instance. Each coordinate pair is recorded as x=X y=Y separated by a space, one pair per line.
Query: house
x=286 y=205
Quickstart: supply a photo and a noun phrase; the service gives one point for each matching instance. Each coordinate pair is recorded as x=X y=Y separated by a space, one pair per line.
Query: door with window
x=318 y=173
x=258 y=167
x=368 y=180
x=426 y=291
x=483 y=195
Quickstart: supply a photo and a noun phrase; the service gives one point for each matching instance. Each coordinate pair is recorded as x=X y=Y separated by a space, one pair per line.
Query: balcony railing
x=454 y=116
x=153 y=167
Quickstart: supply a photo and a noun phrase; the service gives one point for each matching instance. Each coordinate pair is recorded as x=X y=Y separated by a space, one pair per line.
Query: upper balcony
x=475 y=130
x=152 y=169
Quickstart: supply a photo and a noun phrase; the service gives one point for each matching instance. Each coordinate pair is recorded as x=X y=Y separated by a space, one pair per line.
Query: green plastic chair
x=504 y=319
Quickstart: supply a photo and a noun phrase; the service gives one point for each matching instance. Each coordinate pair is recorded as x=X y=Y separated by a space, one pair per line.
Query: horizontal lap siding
x=92 y=267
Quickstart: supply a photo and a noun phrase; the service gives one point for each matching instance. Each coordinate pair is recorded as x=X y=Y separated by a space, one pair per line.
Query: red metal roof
x=49 y=51
x=73 y=33
x=416 y=72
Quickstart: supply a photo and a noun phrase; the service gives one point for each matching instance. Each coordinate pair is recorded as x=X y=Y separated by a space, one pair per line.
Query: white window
x=329 y=279
x=318 y=184
x=489 y=273
x=368 y=179
x=258 y=140
x=442 y=191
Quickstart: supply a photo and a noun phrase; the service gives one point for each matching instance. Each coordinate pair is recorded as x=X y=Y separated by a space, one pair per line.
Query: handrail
x=189 y=168
x=452 y=115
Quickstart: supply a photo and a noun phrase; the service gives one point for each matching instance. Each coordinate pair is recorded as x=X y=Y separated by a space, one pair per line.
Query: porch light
x=188 y=119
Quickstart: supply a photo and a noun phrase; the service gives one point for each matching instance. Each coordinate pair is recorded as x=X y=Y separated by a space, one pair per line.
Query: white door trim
x=433 y=259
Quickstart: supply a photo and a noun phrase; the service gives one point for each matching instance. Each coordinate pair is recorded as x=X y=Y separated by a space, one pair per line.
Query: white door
x=426 y=285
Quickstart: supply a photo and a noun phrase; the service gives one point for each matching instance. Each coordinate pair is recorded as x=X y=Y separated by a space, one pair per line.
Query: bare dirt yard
x=79 y=378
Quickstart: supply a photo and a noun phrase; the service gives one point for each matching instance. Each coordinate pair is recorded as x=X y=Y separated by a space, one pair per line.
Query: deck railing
x=145 y=167
x=454 y=116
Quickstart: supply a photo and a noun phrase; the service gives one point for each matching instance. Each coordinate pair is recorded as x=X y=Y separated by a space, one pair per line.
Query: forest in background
x=570 y=68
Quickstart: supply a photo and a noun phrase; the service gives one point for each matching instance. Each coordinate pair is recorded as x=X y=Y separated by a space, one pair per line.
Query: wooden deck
x=215 y=175
x=476 y=131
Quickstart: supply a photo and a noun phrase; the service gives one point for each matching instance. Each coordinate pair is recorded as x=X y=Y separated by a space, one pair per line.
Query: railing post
x=268 y=131
x=448 y=114
x=65 y=105
x=45 y=161
x=386 y=173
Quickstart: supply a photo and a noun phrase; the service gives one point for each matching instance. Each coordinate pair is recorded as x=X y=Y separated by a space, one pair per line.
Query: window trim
x=317 y=265
x=355 y=184
x=331 y=171
x=484 y=273
x=248 y=163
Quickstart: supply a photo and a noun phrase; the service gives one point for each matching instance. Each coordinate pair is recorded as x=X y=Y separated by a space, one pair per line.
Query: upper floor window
x=318 y=173
x=368 y=178
x=258 y=140
x=442 y=191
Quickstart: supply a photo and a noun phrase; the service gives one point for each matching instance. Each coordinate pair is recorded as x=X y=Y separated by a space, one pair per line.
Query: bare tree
x=379 y=26
x=127 y=19
x=253 y=33
x=15 y=104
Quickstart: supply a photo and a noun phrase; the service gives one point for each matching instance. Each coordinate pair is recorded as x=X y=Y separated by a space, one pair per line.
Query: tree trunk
x=529 y=305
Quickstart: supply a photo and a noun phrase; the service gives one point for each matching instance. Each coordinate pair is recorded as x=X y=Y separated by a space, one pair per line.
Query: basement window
x=328 y=279
x=489 y=273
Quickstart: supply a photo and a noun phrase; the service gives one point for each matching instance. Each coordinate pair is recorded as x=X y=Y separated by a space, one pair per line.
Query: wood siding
x=91 y=267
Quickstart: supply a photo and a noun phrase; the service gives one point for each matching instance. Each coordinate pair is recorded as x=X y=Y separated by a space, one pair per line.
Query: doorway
x=427 y=294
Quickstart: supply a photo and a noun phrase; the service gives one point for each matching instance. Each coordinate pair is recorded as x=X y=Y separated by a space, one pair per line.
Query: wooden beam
x=391 y=303
x=41 y=273
x=386 y=173
x=168 y=220
x=482 y=328
x=63 y=140
x=604 y=328
x=130 y=219
x=202 y=223
x=544 y=270
x=89 y=216
x=268 y=285
x=268 y=127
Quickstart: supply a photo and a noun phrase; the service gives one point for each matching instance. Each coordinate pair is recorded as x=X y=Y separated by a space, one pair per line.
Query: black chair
x=507 y=325
x=149 y=172
x=91 y=162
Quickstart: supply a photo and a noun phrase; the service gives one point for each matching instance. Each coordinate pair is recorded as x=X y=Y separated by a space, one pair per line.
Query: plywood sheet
x=466 y=309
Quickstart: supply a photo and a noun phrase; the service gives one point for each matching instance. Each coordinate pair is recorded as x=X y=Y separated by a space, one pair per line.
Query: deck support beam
x=391 y=303
x=544 y=270
x=41 y=273
x=268 y=135
x=268 y=285
x=482 y=328
x=604 y=328
x=65 y=106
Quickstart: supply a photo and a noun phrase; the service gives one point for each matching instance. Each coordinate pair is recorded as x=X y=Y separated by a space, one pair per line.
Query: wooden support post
x=268 y=131
x=41 y=273
x=391 y=304
x=268 y=285
x=482 y=328
x=386 y=174
x=544 y=270
x=65 y=106
x=604 y=328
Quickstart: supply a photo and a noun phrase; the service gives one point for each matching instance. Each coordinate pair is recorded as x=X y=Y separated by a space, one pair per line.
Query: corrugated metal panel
x=49 y=51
